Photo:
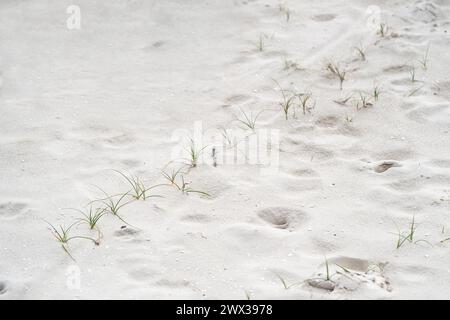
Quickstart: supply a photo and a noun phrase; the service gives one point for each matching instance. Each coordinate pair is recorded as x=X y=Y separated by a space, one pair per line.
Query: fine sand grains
x=357 y=204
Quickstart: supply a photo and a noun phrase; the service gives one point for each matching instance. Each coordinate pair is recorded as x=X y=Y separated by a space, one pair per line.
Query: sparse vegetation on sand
x=337 y=71
x=424 y=60
x=194 y=153
x=249 y=120
x=138 y=189
x=383 y=30
x=289 y=98
x=408 y=236
x=62 y=235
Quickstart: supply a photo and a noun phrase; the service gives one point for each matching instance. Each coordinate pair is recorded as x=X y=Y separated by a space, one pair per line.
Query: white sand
x=76 y=103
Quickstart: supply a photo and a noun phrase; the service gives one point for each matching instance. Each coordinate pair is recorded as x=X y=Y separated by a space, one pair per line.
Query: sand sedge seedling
x=138 y=188
x=285 y=284
x=249 y=120
x=260 y=45
x=376 y=93
x=62 y=235
x=362 y=52
x=409 y=235
x=412 y=73
x=335 y=70
x=184 y=187
x=247 y=295
x=289 y=64
x=286 y=11
x=172 y=177
x=305 y=102
x=363 y=101
x=424 y=61
x=226 y=136
x=194 y=154
x=112 y=205
x=289 y=99
x=348 y=119
x=91 y=217
x=382 y=30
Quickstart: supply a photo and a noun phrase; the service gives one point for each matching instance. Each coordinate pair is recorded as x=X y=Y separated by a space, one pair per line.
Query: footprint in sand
x=385 y=165
x=11 y=210
x=282 y=218
x=126 y=232
x=327 y=121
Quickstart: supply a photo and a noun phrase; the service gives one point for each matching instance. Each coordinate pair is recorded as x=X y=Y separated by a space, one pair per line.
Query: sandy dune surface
x=348 y=179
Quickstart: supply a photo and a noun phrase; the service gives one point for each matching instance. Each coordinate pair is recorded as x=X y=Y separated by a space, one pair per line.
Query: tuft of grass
x=362 y=52
x=285 y=284
x=288 y=101
x=363 y=101
x=424 y=60
x=184 y=188
x=227 y=138
x=376 y=93
x=412 y=73
x=62 y=235
x=138 y=188
x=383 y=30
x=249 y=120
x=290 y=64
x=182 y=185
x=194 y=154
x=172 y=176
x=409 y=235
x=337 y=71
x=260 y=44
x=286 y=11
x=305 y=102
x=113 y=204
x=91 y=217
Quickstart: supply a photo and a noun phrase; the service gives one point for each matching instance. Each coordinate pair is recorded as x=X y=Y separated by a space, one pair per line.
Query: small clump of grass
x=91 y=217
x=249 y=120
x=184 y=188
x=286 y=286
x=172 y=176
x=383 y=30
x=424 y=60
x=363 y=101
x=194 y=154
x=62 y=235
x=361 y=52
x=290 y=65
x=138 y=189
x=182 y=185
x=376 y=93
x=408 y=236
x=113 y=204
x=286 y=11
x=288 y=101
x=412 y=73
x=334 y=69
x=260 y=44
x=305 y=102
